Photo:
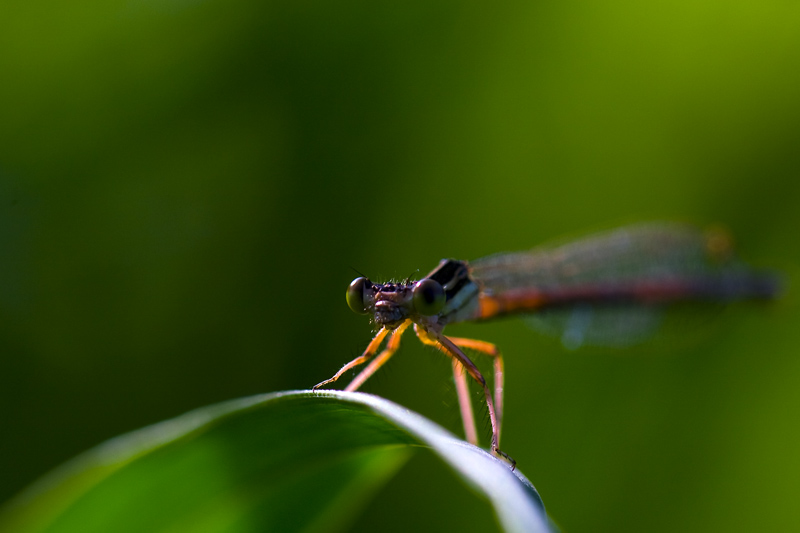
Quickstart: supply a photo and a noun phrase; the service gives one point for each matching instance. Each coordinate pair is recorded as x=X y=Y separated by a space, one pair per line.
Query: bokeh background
x=187 y=185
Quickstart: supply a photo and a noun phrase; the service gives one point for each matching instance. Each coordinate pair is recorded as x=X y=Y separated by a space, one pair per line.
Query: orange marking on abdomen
x=523 y=300
x=510 y=302
x=488 y=306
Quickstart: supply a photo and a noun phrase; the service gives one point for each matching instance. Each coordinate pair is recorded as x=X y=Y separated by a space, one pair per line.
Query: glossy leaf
x=293 y=461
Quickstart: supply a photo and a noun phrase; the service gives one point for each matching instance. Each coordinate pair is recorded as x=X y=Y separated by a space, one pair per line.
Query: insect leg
x=373 y=346
x=462 y=389
x=491 y=350
x=391 y=347
x=454 y=351
x=465 y=402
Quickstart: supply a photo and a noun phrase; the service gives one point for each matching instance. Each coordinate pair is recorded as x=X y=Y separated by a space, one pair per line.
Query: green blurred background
x=186 y=184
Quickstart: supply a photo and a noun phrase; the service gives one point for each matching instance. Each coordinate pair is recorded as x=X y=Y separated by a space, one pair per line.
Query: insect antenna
x=354 y=269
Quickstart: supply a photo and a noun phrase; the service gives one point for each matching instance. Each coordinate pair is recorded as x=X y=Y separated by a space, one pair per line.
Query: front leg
x=374 y=344
x=391 y=347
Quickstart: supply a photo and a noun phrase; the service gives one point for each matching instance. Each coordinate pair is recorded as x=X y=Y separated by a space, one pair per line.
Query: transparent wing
x=590 y=325
x=612 y=288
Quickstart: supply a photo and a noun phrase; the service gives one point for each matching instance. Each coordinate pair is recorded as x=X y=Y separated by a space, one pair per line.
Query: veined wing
x=610 y=288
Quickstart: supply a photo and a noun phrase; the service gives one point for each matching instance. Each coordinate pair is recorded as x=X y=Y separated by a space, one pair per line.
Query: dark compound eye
x=355 y=295
x=428 y=297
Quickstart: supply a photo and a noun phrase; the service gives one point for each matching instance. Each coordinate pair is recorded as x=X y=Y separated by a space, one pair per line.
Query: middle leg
x=462 y=388
x=455 y=352
x=491 y=350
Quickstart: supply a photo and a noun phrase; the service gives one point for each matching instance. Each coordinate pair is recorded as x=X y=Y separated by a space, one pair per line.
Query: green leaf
x=291 y=461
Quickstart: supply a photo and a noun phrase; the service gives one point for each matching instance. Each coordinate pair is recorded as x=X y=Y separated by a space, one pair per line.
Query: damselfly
x=606 y=289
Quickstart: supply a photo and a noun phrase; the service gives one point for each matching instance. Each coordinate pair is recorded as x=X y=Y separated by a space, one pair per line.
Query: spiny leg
x=464 y=401
x=454 y=351
x=491 y=350
x=391 y=347
x=462 y=389
x=373 y=346
x=476 y=375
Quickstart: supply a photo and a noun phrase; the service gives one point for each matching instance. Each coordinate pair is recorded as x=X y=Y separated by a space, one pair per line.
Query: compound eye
x=429 y=297
x=355 y=295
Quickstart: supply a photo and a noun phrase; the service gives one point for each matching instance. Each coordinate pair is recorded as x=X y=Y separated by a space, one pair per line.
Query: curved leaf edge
x=515 y=500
